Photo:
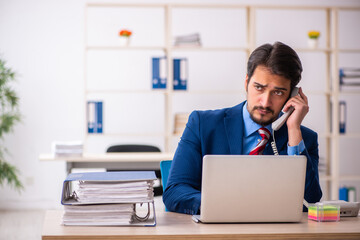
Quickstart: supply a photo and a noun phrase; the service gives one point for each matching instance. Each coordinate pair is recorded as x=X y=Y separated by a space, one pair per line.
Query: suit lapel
x=234 y=125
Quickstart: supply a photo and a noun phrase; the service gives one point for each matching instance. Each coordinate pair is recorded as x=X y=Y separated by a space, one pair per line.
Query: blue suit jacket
x=221 y=132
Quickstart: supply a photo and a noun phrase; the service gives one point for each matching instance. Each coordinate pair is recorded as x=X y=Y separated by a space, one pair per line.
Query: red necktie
x=265 y=135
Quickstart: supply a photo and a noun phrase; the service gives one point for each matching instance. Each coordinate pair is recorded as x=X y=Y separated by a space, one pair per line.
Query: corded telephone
x=277 y=124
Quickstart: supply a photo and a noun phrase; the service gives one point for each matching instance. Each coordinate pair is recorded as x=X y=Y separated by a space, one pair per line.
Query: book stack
x=109 y=199
x=188 y=40
x=180 y=122
x=67 y=149
x=322 y=166
x=349 y=76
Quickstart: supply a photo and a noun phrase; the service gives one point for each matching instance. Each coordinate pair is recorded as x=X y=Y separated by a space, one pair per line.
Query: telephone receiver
x=276 y=125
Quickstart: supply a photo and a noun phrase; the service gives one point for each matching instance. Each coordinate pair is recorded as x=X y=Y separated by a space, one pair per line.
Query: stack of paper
x=114 y=192
x=180 y=122
x=67 y=149
x=108 y=198
x=188 y=40
x=110 y=214
x=349 y=76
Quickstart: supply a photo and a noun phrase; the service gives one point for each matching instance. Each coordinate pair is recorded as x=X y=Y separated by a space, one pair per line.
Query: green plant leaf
x=9 y=116
x=8 y=174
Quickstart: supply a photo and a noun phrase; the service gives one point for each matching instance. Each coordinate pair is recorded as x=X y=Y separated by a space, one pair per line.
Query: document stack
x=188 y=40
x=180 y=122
x=67 y=149
x=349 y=76
x=109 y=199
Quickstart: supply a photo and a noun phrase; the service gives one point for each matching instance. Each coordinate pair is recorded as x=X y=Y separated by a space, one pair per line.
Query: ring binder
x=102 y=194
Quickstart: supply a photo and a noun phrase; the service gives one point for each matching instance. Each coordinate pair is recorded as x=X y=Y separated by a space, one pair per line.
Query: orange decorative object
x=125 y=33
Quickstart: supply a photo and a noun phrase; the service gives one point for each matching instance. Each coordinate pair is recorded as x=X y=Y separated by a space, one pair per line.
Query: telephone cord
x=274 y=148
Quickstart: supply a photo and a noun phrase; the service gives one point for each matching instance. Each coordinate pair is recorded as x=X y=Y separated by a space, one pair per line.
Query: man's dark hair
x=279 y=58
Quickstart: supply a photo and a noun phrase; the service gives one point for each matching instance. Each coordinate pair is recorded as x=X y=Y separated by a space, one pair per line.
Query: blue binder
x=99 y=117
x=180 y=73
x=91 y=109
x=95 y=116
x=159 y=69
x=343 y=194
x=108 y=179
x=342 y=117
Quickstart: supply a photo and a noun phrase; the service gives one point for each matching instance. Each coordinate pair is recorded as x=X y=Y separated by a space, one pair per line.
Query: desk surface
x=112 y=157
x=180 y=226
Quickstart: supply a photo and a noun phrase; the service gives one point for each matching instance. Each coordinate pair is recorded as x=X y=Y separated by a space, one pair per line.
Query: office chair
x=138 y=148
x=165 y=170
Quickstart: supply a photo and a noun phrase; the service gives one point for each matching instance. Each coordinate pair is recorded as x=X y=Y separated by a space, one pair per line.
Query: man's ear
x=246 y=82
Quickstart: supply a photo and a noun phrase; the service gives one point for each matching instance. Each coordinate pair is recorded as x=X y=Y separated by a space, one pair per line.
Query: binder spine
x=159 y=72
x=99 y=122
x=180 y=73
x=91 y=116
x=342 y=122
x=95 y=116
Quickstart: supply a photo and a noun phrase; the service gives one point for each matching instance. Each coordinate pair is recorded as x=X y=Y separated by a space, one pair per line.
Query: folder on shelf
x=99 y=117
x=342 y=118
x=109 y=199
x=349 y=76
x=95 y=116
x=91 y=117
x=180 y=73
x=159 y=69
x=347 y=193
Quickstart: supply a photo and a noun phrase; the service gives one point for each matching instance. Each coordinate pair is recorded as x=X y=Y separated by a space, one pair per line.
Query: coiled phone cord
x=274 y=148
x=273 y=144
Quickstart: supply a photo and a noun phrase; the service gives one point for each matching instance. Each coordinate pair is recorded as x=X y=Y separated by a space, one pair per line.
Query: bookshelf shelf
x=210 y=49
x=316 y=50
x=350 y=178
x=349 y=93
x=119 y=91
x=111 y=48
x=118 y=134
x=349 y=135
x=325 y=178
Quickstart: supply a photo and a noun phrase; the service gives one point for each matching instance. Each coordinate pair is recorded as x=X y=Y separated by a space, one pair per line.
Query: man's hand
x=301 y=108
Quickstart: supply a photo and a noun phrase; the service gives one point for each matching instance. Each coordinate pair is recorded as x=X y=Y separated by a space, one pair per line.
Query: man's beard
x=259 y=121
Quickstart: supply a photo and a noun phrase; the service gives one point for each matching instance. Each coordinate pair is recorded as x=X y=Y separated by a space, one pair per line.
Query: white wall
x=42 y=40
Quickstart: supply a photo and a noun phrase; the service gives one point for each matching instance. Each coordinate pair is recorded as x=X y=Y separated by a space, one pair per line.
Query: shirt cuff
x=296 y=150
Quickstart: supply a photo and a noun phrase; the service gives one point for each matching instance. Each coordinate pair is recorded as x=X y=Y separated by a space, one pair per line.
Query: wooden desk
x=180 y=226
x=113 y=161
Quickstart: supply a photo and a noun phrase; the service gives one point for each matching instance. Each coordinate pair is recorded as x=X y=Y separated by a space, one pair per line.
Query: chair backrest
x=133 y=148
x=165 y=169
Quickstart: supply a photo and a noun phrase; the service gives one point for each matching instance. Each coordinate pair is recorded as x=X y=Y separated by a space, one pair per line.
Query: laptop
x=249 y=188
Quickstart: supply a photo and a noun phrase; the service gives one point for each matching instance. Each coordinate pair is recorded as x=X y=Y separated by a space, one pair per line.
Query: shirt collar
x=250 y=125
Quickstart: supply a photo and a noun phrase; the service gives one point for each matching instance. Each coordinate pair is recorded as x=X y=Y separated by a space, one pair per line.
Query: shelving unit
x=252 y=18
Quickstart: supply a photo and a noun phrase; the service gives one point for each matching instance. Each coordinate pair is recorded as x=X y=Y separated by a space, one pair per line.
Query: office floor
x=16 y=224
x=27 y=224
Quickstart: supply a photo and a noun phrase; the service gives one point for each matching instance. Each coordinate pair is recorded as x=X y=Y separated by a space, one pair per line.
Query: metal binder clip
x=142 y=218
x=74 y=195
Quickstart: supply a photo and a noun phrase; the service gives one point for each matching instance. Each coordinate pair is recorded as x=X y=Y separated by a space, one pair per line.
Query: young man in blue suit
x=272 y=72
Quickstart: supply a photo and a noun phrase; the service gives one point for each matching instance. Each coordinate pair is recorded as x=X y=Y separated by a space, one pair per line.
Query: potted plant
x=9 y=116
x=125 y=37
x=313 y=39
